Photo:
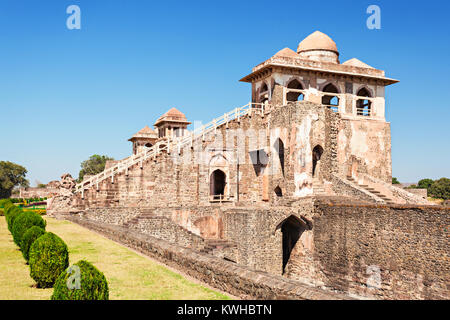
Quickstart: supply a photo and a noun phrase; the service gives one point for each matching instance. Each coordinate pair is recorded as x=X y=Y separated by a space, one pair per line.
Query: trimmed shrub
x=23 y=222
x=11 y=214
x=48 y=257
x=7 y=205
x=92 y=283
x=28 y=238
x=3 y=202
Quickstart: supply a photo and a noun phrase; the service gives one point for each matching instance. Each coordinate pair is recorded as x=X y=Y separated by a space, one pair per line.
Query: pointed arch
x=217 y=182
x=364 y=106
x=291 y=228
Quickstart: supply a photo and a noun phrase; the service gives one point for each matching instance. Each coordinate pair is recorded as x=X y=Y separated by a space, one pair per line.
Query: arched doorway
x=291 y=228
x=316 y=155
x=217 y=184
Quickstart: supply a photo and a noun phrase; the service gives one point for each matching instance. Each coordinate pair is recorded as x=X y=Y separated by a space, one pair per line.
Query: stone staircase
x=373 y=191
x=319 y=187
x=214 y=244
x=170 y=145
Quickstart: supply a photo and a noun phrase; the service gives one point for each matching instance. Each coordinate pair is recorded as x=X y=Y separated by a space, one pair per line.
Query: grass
x=129 y=275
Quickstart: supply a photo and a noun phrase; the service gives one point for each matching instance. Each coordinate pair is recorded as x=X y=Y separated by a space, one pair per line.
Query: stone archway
x=291 y=228
x=218 y=181
x=316 y=155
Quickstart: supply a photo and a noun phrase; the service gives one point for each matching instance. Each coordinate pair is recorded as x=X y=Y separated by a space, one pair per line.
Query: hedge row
x=48 y=258
x=27 y=200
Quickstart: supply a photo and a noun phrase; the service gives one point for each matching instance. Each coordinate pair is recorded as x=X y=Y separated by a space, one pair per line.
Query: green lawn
x=129 y=275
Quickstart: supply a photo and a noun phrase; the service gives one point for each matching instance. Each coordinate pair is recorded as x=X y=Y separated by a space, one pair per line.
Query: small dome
x=173 y=115
x=357 y=63
x=317 y=41
x=145 y=132
x=286 y=52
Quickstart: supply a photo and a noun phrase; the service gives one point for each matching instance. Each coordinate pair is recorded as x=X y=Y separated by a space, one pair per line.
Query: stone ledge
x=224 y=275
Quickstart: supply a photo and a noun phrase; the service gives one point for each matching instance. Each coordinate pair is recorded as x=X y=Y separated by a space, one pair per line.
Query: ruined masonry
x=295 y=184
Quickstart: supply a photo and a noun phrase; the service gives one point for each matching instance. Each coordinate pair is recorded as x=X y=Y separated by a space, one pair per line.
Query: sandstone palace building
x=295 y=184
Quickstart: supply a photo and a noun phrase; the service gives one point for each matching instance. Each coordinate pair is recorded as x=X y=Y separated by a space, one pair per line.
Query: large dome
x=317 y=41
x=318 y=46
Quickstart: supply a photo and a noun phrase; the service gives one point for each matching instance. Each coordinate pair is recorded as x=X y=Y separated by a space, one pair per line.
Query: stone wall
x=37 y=192
x=407 y=246
x=238 y=280
x=423 y=193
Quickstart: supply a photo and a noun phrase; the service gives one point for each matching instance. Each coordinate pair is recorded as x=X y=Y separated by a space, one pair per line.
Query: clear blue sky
x=68 y=94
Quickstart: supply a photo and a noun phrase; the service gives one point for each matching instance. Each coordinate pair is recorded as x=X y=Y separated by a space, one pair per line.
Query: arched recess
x=218 y=181
x=316 y=155
x=279 y=149
x=291 y=228
x=330 y=97
x=363 y=106
x=293 y=93
x=148 y=145
x=209 y=227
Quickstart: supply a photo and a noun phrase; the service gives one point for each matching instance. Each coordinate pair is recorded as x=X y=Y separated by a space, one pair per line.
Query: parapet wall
x=229 y=277
x=387 y=252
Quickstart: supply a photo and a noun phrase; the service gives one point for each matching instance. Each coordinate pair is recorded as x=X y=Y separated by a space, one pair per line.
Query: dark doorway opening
x=316 y=155
x=279 y=148
x=278 y=192
x=217 y=184
x=291 y=228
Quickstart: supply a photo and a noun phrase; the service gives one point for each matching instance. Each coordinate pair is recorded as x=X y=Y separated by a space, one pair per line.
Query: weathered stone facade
x=262 y=189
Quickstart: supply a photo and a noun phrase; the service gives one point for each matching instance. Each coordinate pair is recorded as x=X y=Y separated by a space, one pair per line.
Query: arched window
x=294 y=95
x=217 y=184
x=264 y=88
x=363 y=106
x=278 y=192
x=331 y=100
x=264 y=93
x=316 y=155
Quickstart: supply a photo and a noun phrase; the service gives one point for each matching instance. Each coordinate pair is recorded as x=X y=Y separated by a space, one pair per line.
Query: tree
x=95 y=164
x=440 y=189
x=11 y=175
x=395 y=181
x=425 y=183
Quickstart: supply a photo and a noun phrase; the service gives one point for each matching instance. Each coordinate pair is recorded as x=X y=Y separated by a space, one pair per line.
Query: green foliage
x=48 y=257
x=4 y=202
x=95 y=164
x=440 y=189
x=413 y=186
x=92 y=284
x=23 y=222
x=28 y=238
x=395 y=181
x=11 y=175
x=11 y=214
x=4 y=205
x=425 y=183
